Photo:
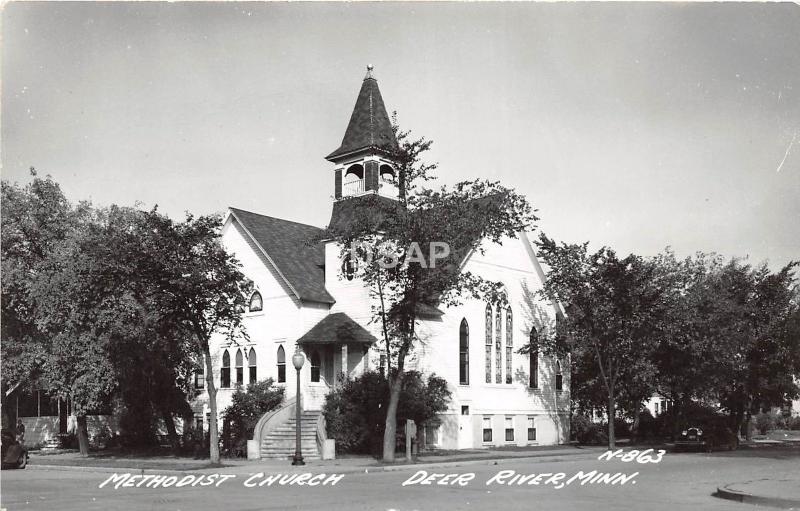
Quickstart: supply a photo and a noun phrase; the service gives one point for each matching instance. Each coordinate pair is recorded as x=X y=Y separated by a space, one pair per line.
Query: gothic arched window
x=256 y=304
x=251 y=362
x=315 y=362
x=498 y=346
x=509 y=343
x=281 y=365
x=463 y=353
x=349 y=267
x=488 y=343
x=239 y=367
x=533 y=354
x=225 y=374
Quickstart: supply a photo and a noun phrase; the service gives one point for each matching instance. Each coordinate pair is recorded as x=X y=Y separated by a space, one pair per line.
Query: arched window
x=463 y=353
x=534 y=359
x=354 y=172
x=498 y=346
x=349 y=267
x=239 y=367
x=353 y=180
x=256 y=304
x=387 y=173
x=559 y=378
x=281 y=365
x=251 y=362
x=315 y=366
x=488 y=343
x=509 y=343
x=225 y=375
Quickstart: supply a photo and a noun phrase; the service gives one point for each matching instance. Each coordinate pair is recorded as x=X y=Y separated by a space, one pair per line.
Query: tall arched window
x=281 y=365
x=251 y=362
x=239 y=367
x=488 y=343
x=509 y=343
x=533 y=354
x=225 y=375
x=256 y=303
x=559 y=378
x=315 y=366
x=463 y=353
x=498 y=346
x=349 y=266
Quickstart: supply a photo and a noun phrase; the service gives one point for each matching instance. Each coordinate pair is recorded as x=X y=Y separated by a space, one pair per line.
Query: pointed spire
x=369 y=127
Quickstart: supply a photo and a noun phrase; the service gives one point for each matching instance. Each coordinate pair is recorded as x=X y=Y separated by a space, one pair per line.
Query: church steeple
x=365 y=159
x=369 y=127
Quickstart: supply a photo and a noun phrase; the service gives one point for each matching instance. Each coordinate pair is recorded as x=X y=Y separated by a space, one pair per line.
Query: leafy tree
x=199 y=288
x=355 y=412
x=613 y=311
x=462 y=216
x=247 y=407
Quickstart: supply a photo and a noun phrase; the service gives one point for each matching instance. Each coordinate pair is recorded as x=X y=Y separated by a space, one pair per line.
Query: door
x=465 y=428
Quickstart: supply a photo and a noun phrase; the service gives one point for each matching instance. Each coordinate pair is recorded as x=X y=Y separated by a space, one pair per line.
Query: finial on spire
x=369 y=71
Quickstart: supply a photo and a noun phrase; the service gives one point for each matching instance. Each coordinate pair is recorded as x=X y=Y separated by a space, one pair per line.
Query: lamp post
x=297 y=361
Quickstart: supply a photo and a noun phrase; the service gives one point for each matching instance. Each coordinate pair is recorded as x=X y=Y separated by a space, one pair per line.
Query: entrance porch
x=336 y=348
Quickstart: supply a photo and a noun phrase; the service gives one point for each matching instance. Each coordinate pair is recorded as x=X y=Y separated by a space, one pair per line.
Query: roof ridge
x=276 y=218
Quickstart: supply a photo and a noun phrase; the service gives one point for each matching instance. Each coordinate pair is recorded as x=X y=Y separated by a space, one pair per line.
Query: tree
x=35 y=218
x=248 y=407
x=395 y=237
x=613 y=311
x=199 y=288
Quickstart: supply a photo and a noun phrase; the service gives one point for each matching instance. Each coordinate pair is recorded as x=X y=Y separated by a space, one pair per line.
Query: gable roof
x=288 y=246
x=337 y=328
x=369 y=126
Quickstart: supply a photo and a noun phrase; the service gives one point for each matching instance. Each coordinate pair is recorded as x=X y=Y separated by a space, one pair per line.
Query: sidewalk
x=780 y=493
x=73 y=461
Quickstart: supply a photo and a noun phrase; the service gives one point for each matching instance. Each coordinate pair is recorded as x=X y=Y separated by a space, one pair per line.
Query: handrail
x=268 y=421
x=322 y=433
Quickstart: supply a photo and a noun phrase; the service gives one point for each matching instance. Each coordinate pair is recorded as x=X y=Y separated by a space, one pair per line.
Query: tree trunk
x=637 y=415
x=171 y=431
x=747 y=429
x=390 y=431
x=83 y=435
x=612 y=412
x=213 y=432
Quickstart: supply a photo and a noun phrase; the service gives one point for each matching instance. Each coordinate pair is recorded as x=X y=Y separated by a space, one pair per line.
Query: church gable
x=292 y=249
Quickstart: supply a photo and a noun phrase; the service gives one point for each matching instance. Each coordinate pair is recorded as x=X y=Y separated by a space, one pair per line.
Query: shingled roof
x=287 y=244
x=369 y=126
x=337 y=328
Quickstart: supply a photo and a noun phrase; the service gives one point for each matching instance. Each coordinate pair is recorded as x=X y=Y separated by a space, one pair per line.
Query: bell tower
x=366 y=160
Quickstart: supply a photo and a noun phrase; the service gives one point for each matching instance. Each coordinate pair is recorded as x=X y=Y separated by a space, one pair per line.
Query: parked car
x=713 y=435
x=14 y=454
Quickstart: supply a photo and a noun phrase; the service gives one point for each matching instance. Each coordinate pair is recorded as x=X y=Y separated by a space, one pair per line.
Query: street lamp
x=297 y=361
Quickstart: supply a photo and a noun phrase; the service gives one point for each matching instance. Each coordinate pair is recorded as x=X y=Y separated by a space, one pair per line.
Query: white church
x=306 y=299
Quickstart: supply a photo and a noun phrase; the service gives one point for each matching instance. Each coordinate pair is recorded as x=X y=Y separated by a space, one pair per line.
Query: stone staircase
x=280 y=442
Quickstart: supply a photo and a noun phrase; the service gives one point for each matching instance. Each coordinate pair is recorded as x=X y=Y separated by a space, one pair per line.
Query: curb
x=341 y=469
x=739 y=496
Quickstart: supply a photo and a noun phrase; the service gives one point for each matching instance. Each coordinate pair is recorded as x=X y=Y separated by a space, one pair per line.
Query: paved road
x=679 y=481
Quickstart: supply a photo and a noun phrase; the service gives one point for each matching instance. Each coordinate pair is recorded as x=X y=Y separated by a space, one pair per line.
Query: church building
x=307 y=299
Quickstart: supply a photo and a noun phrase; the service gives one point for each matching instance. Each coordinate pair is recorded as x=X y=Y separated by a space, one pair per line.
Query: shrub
x=247 y=407
x=355 y=413
x=793 y=423
x=766 y=422
x=586 y=432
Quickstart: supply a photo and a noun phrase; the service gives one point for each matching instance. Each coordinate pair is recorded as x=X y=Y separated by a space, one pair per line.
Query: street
x=679 y=481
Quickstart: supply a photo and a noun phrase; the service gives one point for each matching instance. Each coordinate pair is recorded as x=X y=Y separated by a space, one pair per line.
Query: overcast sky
x=631 y=125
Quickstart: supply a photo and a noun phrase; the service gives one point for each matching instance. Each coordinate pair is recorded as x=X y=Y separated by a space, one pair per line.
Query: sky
x=636 y=126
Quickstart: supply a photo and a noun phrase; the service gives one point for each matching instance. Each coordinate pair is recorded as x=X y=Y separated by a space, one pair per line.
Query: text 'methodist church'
x=306 y=299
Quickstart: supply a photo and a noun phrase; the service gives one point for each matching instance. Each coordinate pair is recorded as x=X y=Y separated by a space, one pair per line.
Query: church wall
x=281 y=321
x=511 y=265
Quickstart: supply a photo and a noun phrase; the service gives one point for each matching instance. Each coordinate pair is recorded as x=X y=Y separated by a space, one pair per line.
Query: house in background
x=308 y=298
